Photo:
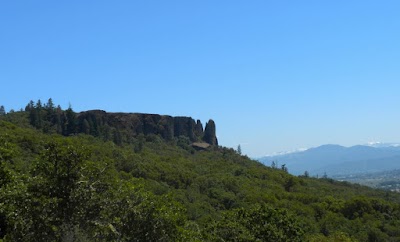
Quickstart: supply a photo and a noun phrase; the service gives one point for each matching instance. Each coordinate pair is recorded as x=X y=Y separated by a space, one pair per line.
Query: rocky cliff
x=210 y=133
x=135 y=124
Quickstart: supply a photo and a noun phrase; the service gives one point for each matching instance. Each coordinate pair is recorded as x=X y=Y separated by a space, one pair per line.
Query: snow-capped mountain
x=286 y=152
x=382 y=145
x=339 y=160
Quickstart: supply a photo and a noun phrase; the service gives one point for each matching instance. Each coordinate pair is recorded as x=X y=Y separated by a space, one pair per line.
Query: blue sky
x=274 y=75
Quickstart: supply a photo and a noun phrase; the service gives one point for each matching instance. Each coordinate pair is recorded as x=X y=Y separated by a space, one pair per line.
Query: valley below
x=387 y=180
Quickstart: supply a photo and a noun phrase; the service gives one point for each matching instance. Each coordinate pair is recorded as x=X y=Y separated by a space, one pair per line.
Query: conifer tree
x=70 y=121
x=50 y=105
x=2 y=110
x=30 y=106
x=39 y=104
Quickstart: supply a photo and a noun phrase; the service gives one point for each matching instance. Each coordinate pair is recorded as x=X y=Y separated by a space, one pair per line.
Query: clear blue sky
x=274 y=75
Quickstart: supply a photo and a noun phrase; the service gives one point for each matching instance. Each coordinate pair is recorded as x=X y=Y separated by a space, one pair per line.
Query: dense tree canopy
x=81 y=187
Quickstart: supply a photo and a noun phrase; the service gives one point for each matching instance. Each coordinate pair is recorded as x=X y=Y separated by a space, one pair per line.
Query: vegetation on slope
x=86 y=188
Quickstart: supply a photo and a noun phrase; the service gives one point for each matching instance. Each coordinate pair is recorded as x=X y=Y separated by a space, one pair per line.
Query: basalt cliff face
x=136 y=124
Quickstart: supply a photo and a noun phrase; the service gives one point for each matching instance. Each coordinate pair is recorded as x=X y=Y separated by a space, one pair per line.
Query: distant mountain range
x=339 y=160
x=382 y=145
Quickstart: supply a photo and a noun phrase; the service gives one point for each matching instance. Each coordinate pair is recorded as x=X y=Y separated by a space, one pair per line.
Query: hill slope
x=85 y=188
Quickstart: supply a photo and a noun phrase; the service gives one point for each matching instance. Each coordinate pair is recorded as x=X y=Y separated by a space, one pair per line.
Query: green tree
x=59 y=119
x=7 y=151
x=61 y=201
x=117 y=138
x=49 y=105
x=39 y=104
x=290 y=183
x=34 y=117
x=258 y=223
x=2 y=110
x=70 y=124
x=70 y=198
x=284 y=168
x=30 y=106
x=50 y=110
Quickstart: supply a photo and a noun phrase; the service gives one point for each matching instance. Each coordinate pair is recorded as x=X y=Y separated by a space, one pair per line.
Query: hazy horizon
x=274 y=76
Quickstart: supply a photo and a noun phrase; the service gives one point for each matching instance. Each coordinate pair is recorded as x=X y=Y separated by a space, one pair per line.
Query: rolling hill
x=57 y=185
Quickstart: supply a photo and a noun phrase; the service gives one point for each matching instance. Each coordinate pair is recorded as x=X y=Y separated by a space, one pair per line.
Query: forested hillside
x=59 y=182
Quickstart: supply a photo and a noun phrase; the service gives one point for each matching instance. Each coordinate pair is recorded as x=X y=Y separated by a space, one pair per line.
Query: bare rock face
x=98 y=123
x=198 y=131
x=184 y=126
x=210 y=133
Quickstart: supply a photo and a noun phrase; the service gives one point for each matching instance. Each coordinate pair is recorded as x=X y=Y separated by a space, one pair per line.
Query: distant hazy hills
x=339 y=160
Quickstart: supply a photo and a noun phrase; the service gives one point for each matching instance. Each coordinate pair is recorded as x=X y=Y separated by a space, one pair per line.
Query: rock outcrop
x=134 y=124
x=198 y=131
x=210 y=133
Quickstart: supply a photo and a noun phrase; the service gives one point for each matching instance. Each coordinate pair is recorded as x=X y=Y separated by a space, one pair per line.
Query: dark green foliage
x=117 y=137
x=50 y=105
x=2 y=110
x=117 y=127
x=102 y=184
x=70 y=126
x=69 y=198
x=290 y=183
x=48 y=118
x=257 y=223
